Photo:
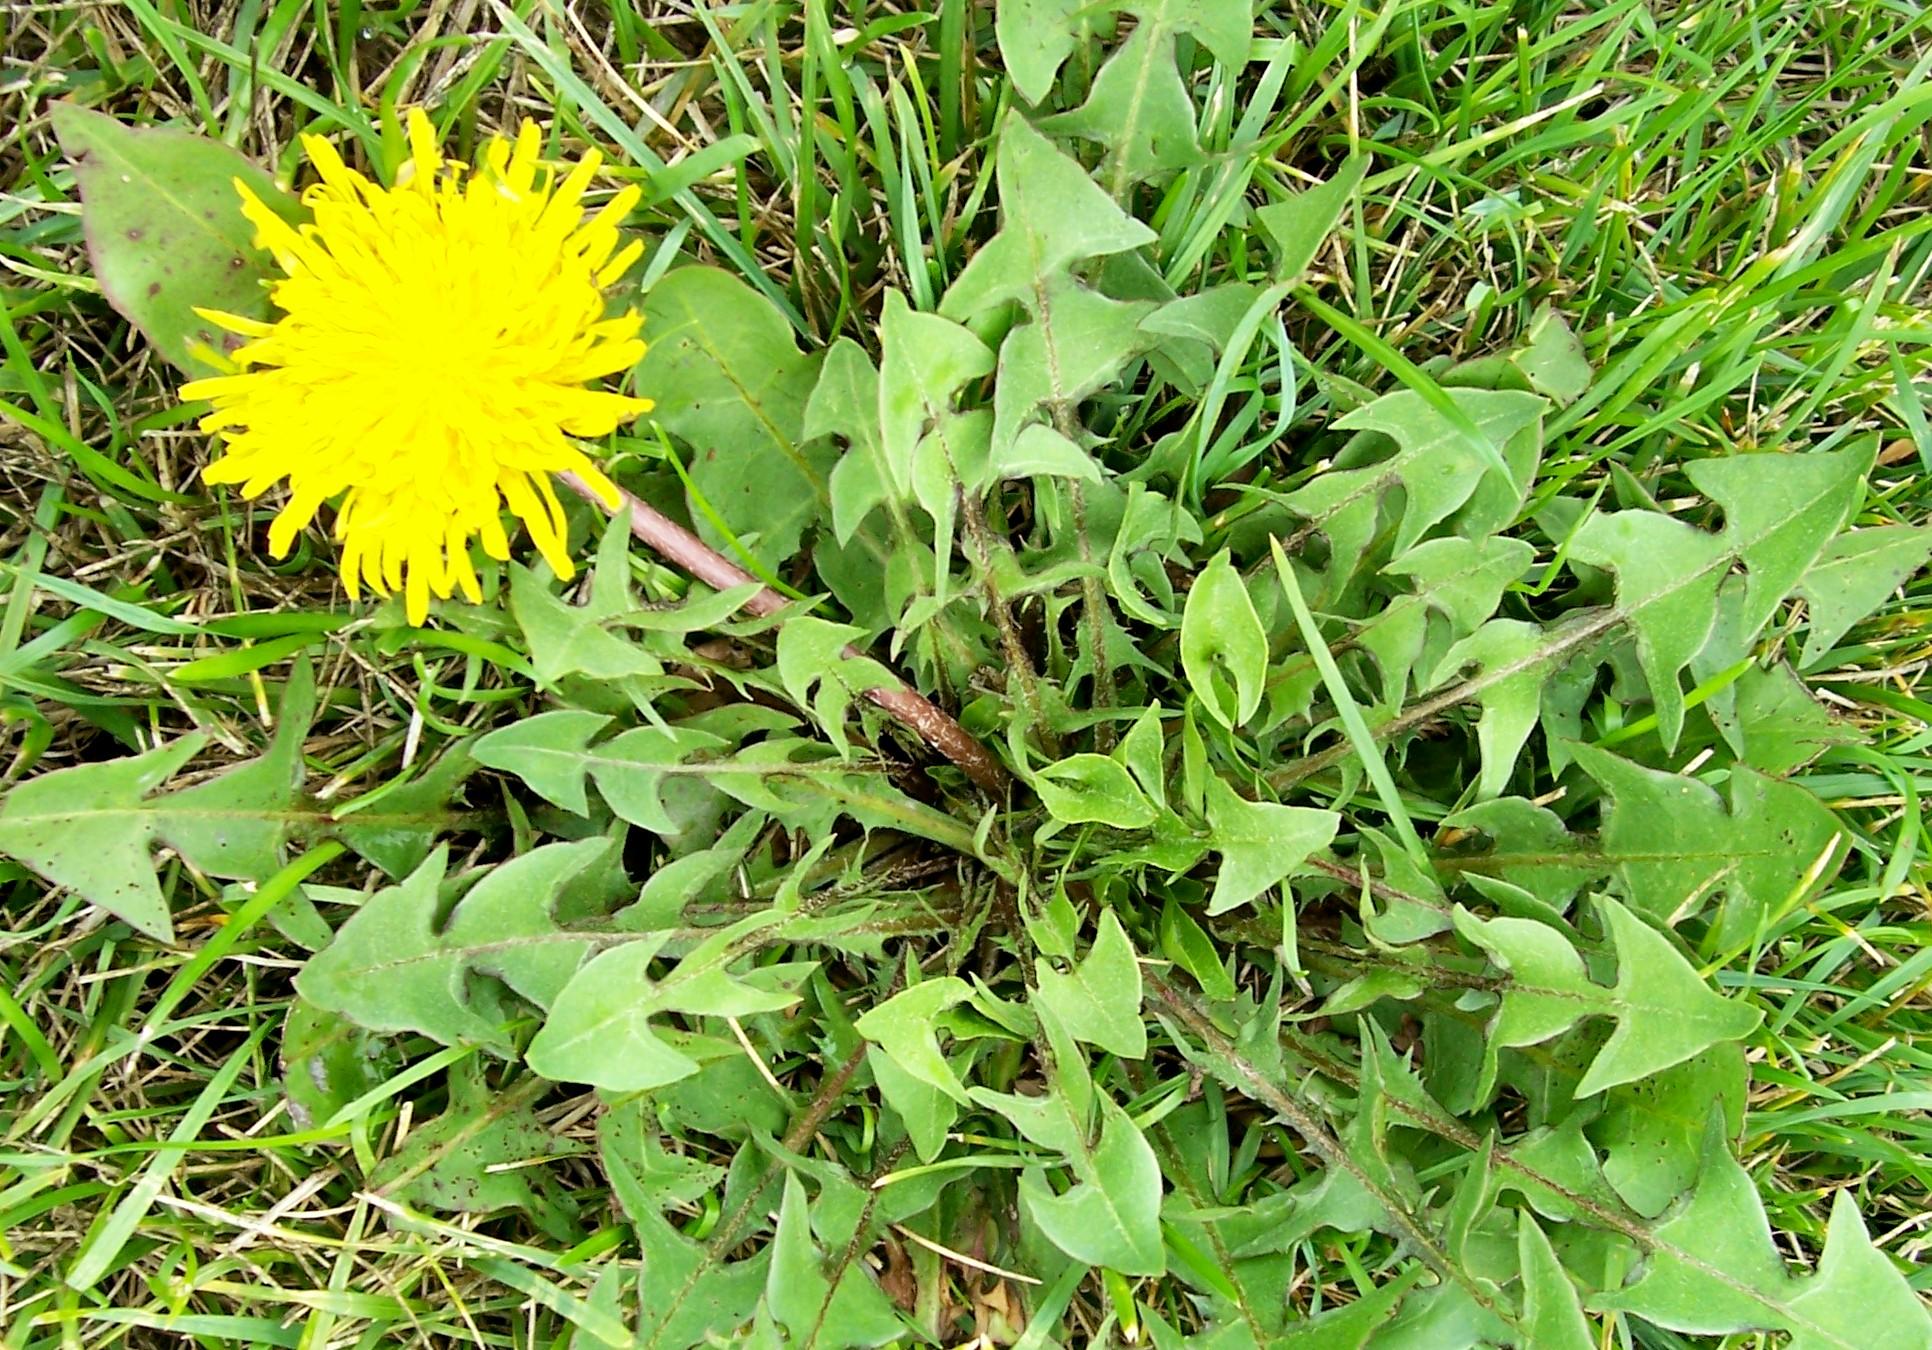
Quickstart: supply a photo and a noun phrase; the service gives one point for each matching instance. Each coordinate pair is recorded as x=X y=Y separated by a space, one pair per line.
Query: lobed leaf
x=399 y=964
x=1052 y=215
x=904 y=1027
x=1090 y=789
x=92 y=827
x=804 y=1300
x=600 y=1028
x=1673 y=844
x=1260 y=843
x=1663 y=1011
x=1098 y=1001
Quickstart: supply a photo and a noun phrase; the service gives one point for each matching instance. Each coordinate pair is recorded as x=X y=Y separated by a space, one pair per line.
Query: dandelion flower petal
x=440 y=342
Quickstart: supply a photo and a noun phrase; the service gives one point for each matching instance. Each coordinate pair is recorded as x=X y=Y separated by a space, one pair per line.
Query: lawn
x=1253 y=682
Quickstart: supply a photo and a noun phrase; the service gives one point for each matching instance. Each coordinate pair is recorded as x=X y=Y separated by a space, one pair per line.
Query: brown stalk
x=697 y=558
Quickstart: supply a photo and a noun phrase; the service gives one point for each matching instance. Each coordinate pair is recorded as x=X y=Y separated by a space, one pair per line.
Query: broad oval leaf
x=165 y=230
x=729 y=381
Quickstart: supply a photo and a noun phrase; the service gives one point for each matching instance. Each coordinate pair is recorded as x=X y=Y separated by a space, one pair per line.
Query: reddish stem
x=690 y=553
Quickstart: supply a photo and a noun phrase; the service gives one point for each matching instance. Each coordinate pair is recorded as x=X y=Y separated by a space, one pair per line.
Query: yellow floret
x=430 y=362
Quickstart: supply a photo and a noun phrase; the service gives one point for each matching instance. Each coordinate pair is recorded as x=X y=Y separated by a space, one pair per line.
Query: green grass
x=1728 y=203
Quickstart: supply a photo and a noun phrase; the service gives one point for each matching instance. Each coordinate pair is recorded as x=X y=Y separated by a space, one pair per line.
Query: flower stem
x=690 y=553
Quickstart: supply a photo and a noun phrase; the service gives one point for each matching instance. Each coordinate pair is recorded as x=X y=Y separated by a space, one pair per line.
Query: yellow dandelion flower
x=431 y=362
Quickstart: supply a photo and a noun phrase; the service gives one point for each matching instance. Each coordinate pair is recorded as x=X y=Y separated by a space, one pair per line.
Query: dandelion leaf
x=1077 y=342
x=1667 y=587
x=1035 y=37
x=1456 y=584
x=1259 y=843
x=1652 y=1129
x=1412 y=905
x=1224 y=27
x=1774 y=724
x=1098 y=1001
x=1111 y=1217
x=812 y=656
x=1673 y=845
x=1549 y=987
x=1511 y=698
x=1139 y=109
x=1852 y=576
x=327 y=1061
x=927 y=1113
x=800 y=1295
x=845 y=403
x=1552 y=1316
x=1663 y=1010
x=1713 y=1270
x=475 y=1157
x=1525 y=845
x=1437 y=466
x=904 y=1027
x=1051 y=216
x=800 y=783
x=925 y=358
x=549 y=752
x=1777 y=523
x=645 y=1176
x=1093 y=789
x=1354 y=1326
x=1434 y=463
x=1037 y=450
x=730 y=382
x=1551 y=358
x=565 y=639
x=1209 y=317
x=1556 y=1170
x=92 y=827
x=1780 y=511
x=1857 y=1298
x=397 y=831
x=600 y=1028
x=89 y=828
x=690 y=1296
x=1224 y=649
x=1299 y=226
x=552 y=752
x=396 y=966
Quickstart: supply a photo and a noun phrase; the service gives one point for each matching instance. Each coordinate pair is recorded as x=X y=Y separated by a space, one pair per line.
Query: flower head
x=431 y=362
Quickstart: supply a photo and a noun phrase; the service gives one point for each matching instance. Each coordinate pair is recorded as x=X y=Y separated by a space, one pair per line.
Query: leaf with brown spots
x=165 y=230
x=482 y=1155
